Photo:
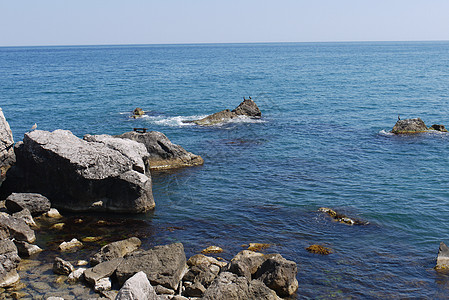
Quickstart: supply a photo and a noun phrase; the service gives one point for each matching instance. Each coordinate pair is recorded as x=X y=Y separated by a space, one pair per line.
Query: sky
x=98 y=22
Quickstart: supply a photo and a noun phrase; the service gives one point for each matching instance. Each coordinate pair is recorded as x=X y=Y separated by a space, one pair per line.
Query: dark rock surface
x=163 y=154
x=35 y=203
x=9 y=260
x=16 y=228
x=137 y=287
x=247 y=108
x=408 y=126
x=78 y=175
x=115 y=250
x=229 y=286
x=438 y=127
x=163 y=265
x=443 y=257
x=246 y=263
x=279 y=275
x=7 y=156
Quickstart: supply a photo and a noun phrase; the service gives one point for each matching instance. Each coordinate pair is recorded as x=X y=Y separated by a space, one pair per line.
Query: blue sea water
x=322 y=141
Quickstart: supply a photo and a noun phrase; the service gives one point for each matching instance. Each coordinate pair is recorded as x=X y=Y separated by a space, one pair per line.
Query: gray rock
x=443 y=257
x=115 y=250
x=195 y=289
x=163 y=154
x=16 y=228
x=134 y=151
x=25 y=249
x=229 y=286
x=9 y=260
x=78 y=175
x=160 y=290
x=7 y=156
x=26 y=216
x=163 y=265
x=279 y=275
x=102 y=270
x=62 y=267
x=202 y=274
x=35 y=203
x=71 y=245
x=246 y=263
x=247 y=108
x=407 y=126
x=137 y=287
x=76 y=275
x=103 y=284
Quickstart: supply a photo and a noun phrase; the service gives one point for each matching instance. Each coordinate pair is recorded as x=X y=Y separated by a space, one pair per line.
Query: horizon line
x=219 y=43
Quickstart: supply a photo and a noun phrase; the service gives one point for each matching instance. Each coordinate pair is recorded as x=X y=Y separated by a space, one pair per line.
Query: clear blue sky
x=92 y=22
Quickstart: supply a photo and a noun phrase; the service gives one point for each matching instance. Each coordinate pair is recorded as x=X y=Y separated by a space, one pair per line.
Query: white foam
x=173 y=121
x=385 y=133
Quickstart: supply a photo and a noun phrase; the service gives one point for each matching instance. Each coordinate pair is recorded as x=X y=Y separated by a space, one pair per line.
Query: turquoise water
x=322 y=141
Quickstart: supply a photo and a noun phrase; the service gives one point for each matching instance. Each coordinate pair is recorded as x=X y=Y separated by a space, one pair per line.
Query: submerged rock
x=78 y=175
x=443 y=257
x=7 y=156
x=318 y=249
x=408 y=126
x=247 y=108
x=163 y=154
x=341 y=218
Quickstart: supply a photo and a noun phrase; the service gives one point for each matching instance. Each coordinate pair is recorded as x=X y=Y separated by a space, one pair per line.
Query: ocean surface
x=322 y=141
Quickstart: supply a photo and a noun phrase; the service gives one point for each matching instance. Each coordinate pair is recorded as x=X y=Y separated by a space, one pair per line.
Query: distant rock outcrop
x=247 y=108
x=7 y=156
x=163 y=154
x=408 y=126
x=78 y=175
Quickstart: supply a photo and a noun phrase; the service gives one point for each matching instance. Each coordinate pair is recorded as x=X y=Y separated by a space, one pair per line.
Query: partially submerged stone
x=53 y=213
x=73 y=244
x=138 y=112
x=318 y=249
x=342 y=218
x=258 y=246
x=163 y=154
x=438 y=127
x=247 y=108
x=62 y=267
x=408 y=126
x=115 y=250
x=211 y=250
x=443 y=257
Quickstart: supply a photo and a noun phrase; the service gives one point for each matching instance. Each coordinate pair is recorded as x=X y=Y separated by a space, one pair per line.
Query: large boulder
x=408 y=126
x=7 y=156
x=229 y=286
x=9 y=260
x=279 y=275
x=15 y=228
x=163 y=265
x=163 y=154
x=115 y=250
x=137 y=287
x=35 y=203
x=247 y=108
x=78 y=175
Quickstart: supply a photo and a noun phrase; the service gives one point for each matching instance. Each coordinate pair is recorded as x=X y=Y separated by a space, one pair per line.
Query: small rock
x=53 y=213
x=195 y=289
x=115 y=250
x=76 y=275
x=25 y=249
x=91 y=239
x=257 y=246
x=111 y=295
x=161 y=290
x=73 y=244
x=200 y=259
x=104 y=284
x=18 y=295
x=25 y=215
x=58 y=226
x=341 y=218
x=443 y=257
x=62 y=267
x=212 y=249
x=438 y=128
x=82 y=263
x=138 y=112
x=318 y=249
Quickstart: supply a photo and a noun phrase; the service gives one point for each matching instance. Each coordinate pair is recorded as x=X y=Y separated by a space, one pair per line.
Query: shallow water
x=323 y=141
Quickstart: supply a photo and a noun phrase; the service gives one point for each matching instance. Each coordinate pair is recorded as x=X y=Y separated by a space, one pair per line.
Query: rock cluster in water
x=409 y=126
x=247 y=108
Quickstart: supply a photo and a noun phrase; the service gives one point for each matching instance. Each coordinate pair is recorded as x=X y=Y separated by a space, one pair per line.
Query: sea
x=323 y=141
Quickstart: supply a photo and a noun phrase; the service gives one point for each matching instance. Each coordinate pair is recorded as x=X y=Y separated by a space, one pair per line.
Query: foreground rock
x=15 y=228
x=7 y=156
x=163 y=154
x=163 y=265
x=115 y=250
x=9 y=260
x=443 y=257
x=137 y=287
x=35 y=203
x=408 y=126
x=247 y=108
x=78 y=175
